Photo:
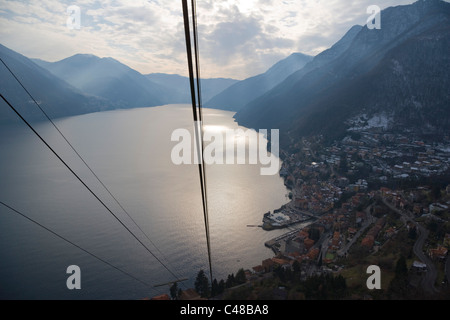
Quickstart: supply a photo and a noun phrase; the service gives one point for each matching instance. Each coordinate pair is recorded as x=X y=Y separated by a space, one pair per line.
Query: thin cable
x=82 y=159
x=86 y=186
x=75 y=245
x=197 y=134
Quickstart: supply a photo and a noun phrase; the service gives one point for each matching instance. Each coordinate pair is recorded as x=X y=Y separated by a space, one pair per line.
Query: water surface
x=130 y=151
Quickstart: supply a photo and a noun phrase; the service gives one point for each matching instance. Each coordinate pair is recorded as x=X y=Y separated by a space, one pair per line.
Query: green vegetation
x=203 y=288
x=398 y=288
x=175 y=292
x=202 y=284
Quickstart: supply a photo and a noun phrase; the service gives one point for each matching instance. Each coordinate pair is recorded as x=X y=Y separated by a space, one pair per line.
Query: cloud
x=237 y=38
x=230 y=39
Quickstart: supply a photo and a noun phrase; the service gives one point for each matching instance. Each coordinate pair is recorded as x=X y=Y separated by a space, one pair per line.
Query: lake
x=130 y=151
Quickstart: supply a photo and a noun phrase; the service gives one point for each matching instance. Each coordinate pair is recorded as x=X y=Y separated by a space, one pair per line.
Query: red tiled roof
x=313 y=253
x=161 y=297
x=368 y=241
x=280 y=261
x=258 y=269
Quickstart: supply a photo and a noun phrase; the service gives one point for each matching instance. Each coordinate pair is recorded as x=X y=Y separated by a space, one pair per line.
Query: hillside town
x=361 y=196
x=373 y=198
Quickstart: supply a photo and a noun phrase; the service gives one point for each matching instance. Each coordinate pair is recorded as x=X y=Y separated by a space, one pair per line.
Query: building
x=303 y=234
x=161 y=297
x=308 y=243
x=301 y=204
x=268 y=265
x=447 y=240
x=435 y=207
x=313 y=254
x=281 y=262
x=385 y=191
x=368 y=242
x=390 y=232
x=439 y=253
x=190 y=294
x=259 y=269
x=352 y=231
x=419 y=266
x=417 y=209
x=336 y=241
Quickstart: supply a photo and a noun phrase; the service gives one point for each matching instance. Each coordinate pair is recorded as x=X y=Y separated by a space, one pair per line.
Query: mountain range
x=107 y=78
x=85 y=83
x=398 y=73
x=239 y=94
x=110 y=79
x=180 y=88
x=57 y=97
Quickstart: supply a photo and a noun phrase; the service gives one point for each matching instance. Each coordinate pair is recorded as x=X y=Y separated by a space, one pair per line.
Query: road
x=429 y=279
x=447 y=269
x=370 y=219
x=323 y=242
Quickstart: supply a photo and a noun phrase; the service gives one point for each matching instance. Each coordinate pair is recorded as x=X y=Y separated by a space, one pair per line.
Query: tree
x=355 y=136
x=214 y=288
x=174 y=291
x=343 y=166
x=314 y=234
x=339 y=287
x=230 y=281
x=432 y=226
x=240 y=277
x=436 y=192
x=398 y=288
x=280 y=273
x=221 y=286
x=401 y=270
x=202 y=284
x=325 y=287
x=412 y=233
x=296 y=267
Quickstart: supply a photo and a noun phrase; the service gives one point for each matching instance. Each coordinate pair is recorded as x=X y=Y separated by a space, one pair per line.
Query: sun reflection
x=213 y=128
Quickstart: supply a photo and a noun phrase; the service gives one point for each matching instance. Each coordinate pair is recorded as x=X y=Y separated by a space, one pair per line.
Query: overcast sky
x=237 y=38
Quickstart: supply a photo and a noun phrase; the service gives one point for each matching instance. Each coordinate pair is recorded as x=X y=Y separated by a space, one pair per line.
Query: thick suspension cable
x=202 y=132
x=197 y=119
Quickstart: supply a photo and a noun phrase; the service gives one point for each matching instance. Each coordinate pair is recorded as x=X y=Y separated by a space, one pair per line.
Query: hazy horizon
x=237 y=39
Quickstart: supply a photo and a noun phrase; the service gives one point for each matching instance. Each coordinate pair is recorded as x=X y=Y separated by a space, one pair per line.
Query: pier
x=285 y=217
x=272 y=244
